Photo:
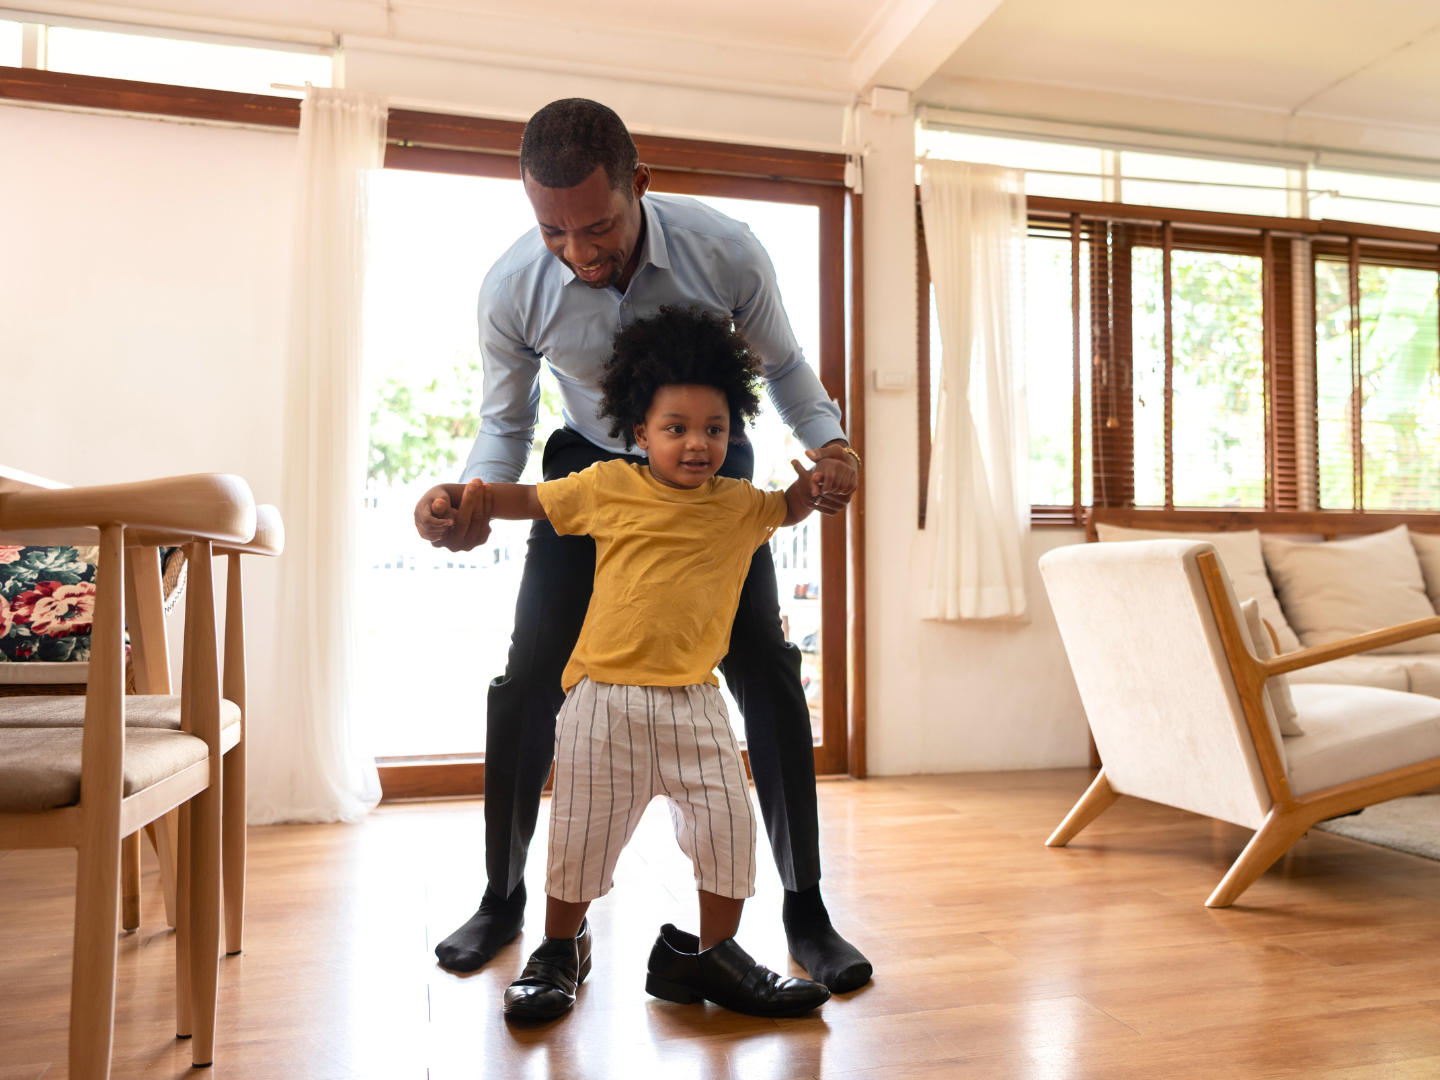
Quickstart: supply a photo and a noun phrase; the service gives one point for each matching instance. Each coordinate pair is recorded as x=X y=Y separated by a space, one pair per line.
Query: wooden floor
x=995 y=957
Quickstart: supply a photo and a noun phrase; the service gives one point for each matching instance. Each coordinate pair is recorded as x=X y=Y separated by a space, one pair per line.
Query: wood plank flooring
x=995 y=957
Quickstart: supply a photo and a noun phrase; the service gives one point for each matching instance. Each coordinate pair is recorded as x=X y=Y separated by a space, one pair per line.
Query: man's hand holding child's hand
x=455 y=516
x=831 y=482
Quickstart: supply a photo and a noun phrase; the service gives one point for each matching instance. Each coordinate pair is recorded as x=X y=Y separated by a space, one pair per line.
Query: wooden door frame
x=841 y=749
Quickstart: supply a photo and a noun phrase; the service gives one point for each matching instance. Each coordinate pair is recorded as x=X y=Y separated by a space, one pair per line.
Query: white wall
x=943 y=697
x=142 y=308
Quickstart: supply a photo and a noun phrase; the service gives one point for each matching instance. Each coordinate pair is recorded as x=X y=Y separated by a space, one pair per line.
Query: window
x=1200 y=377
x=1386 y=370
x=11 y=36
x=434 y=237
x=209 y=65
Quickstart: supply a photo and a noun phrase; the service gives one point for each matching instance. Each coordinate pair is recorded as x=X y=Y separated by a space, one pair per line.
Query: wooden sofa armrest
x=269 y=538
x=1360 y=643
x=206 y=506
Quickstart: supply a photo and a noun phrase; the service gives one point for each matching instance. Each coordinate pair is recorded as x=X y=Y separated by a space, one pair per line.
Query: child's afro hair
x=676 y=347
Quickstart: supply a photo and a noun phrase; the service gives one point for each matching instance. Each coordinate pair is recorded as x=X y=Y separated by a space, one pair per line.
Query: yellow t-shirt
x=669 y=566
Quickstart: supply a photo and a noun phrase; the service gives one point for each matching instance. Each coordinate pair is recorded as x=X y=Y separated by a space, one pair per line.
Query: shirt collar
x=652 y=248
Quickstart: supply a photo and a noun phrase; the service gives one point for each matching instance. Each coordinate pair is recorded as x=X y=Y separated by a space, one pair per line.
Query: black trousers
x=762 y=670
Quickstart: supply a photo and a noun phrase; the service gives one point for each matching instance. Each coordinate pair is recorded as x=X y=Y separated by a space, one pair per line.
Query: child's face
x=686 y=433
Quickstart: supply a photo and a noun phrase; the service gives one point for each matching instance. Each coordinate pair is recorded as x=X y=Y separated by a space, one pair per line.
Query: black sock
x=493 y=926
x=827 y=956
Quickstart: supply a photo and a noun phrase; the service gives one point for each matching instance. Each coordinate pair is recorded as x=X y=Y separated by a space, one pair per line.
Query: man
x=605 y=253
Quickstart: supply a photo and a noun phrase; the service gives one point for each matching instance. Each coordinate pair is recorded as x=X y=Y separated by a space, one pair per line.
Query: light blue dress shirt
x=532 y=307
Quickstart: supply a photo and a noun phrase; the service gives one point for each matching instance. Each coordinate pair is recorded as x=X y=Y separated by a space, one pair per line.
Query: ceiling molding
x=692 y=78
x=913 y=39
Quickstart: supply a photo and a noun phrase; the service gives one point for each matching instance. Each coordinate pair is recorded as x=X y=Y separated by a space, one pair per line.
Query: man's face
x=591 y=227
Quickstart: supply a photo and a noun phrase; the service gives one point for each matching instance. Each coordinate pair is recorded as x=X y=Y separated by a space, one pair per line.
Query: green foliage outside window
x=1218 y=378
x=1399 y=384
x=424 y=430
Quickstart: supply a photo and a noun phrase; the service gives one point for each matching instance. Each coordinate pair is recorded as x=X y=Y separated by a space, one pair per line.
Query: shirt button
x=624 y=303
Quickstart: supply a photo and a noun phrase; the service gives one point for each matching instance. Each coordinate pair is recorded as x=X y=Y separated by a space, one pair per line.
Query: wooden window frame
x=1112 y=230
x=476 y=146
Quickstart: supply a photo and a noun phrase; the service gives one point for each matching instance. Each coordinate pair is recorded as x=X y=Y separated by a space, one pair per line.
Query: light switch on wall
x=892 y=379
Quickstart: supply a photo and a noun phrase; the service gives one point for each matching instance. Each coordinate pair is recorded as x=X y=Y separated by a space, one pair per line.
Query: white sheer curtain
x=308 y=764
x=978 y=506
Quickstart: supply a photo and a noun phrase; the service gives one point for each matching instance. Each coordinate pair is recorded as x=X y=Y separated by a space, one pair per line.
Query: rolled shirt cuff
x=819 y=431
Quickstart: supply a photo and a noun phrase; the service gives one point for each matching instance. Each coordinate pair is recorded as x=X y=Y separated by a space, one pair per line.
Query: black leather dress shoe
x=727 y=975
x=546 y=988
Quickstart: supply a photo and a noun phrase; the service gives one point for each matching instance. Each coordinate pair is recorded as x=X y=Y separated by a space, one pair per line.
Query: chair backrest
x=1153 y=676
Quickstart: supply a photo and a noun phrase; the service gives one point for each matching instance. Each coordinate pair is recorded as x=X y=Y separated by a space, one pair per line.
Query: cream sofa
x=1311 y=592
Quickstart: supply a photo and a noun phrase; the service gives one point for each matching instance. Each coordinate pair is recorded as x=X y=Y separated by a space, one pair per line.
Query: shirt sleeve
x=768 y=514
x=570 y=502
x=794 y=387
x=511 y=401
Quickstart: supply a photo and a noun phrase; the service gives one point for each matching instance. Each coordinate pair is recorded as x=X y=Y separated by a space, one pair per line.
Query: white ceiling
x=823 y=27
x=1374 y=61
x=1353 y=73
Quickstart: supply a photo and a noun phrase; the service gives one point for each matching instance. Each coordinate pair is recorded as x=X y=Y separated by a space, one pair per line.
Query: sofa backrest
x=1321 y=524
x=1153 y=676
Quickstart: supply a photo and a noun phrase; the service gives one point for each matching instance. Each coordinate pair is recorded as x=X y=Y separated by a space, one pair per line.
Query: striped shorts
x=618 y=747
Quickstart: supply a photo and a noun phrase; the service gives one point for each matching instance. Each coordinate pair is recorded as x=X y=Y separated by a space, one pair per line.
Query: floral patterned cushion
x=47 y=603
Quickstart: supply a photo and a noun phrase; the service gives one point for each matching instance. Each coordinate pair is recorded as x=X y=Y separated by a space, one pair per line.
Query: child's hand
x=456 y=528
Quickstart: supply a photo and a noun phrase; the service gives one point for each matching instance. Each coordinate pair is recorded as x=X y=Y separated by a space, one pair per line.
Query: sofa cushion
x=1427 y=550
x=1244 y=562
x=1423 y=671
x=40 y=767
x=1348 y=587
x=158 y=711
x=1357 y=731
x=1383 y=672
x=1277 y=687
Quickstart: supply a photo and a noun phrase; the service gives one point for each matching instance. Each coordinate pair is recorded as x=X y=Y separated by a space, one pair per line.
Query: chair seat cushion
x=42 y=673
x=40 y=766
x=158 y=711
x=1353 y=732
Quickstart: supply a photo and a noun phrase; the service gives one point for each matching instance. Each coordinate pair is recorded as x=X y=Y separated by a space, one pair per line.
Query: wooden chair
x=91 y=786
x=1174 y=692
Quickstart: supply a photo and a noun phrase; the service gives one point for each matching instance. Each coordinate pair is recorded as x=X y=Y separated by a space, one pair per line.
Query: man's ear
x=642 y=180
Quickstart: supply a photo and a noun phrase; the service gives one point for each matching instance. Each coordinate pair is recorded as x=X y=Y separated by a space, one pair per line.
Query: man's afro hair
x=675 y=347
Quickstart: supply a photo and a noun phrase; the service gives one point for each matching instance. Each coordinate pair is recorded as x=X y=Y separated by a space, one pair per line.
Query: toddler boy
x=643 y=715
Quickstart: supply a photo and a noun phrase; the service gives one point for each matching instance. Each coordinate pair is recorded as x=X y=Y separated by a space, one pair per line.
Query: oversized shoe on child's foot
x=727 y=975
x=546 y=988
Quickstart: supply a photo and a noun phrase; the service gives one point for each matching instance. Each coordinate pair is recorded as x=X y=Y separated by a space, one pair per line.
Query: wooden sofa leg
x=1092 y=804
x=1270 y=841
x=130 y=882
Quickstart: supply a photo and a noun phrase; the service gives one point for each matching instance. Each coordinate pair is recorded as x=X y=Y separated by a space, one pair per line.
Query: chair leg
x=163 y=834
x=233 y=847
x=92 y=981
x=130 y=882
x=1096 y=800
x=184 y=1025
x=1270 y=841
x=204 y=921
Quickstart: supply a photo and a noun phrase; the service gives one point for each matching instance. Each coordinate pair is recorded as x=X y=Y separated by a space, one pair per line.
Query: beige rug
x=1411 y=824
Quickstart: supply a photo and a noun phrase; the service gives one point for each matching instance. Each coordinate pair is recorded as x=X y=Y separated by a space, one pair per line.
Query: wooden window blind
x=1104 y=242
